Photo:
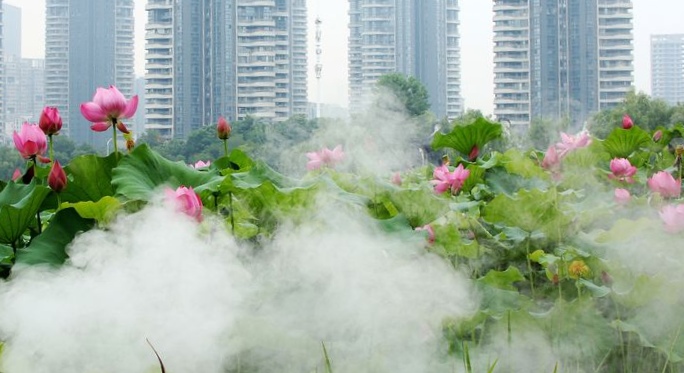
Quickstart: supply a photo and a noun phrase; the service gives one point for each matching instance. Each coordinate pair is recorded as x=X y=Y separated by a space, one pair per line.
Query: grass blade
x=328 y=366
x=158 y=358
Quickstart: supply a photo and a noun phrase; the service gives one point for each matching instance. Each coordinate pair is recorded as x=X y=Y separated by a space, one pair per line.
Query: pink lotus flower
x=673 y=217
x=474 y=152
x=17 y=175
x=569 y=143
x=109 y=107
x=551 y=159
x=50 y=121
x=627 y=122
x=430 y=232
x=223 y=129
x=622 y=170
x=57 y=179
x=186 y=201
x=445 y=180
x=201 y=164
x=663 y=183
x=657 y=135
x=324 y=157
x=31 y=142
x=622 y=196
x=396 y=179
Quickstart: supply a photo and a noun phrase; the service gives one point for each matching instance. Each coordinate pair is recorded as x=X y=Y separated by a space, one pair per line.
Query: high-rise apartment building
x=23 y=97
x=11 y=30
x=415 y=38
x=88 y=44
x=667 y=68
x=24 y=85
x=2 y=69
x=234 y=58
x=560 y=59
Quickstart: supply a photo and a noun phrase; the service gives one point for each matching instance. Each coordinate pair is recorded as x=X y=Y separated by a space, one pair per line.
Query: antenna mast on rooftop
x=319 y=65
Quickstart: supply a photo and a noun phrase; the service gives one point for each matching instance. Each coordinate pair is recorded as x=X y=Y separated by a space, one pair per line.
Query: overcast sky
x=650 y=17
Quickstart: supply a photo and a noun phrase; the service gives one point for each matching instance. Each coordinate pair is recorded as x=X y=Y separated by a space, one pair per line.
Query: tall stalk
x=230 y=194
x=52 y=151
x=116 y=148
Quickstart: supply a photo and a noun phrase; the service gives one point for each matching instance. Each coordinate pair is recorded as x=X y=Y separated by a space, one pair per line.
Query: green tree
x=646 y=112
x=410 y=92
x=544 y=132
x=10 y=160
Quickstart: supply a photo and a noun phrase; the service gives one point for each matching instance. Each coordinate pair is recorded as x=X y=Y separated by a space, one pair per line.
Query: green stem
x=620 y=336
x=14 y=248
x=232 y=215
x=225 y=147
x=529 y=267
x=116 y=148
x=674 y=340
x=52 y=151
x=40 y=224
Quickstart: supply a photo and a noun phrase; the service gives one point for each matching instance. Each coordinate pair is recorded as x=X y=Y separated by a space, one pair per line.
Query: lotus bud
x=50 y=121
x=657 y=135
x=57 y=179
x=606 y=278
x=473 y=153
x=396 y=179
x=622 y=196
x=627 y=122
x=186 y=201
x=16 y=175
x=223 y=129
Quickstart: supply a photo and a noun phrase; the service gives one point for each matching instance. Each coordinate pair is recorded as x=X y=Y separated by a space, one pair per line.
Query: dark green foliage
x=646 y=112
x=410 y=92
x=50 y=247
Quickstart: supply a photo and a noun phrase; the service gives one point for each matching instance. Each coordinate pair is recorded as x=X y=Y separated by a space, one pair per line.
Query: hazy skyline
x=650 y=17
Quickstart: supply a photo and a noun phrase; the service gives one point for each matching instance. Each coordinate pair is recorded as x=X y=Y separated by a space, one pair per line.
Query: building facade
x=88 y=44
x=24 y=87
x=231 y=58
x=23 y=82
x=411 y=37
x=667 y=68
x=560 y=60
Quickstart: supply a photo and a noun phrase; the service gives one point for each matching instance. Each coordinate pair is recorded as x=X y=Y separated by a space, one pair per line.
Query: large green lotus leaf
x=578 y=329
x=503 y=279
x=90 y=178
x=419 y=205
x=476 y=176
x=398 y=225
x=518 y=163
x=498 y=295
x=50 y=246
x=530 y=210
x=139 y=175
x=266 y=196
x=500 y=181
x=625 y=230
x=621 y=143
x=464 y=138
x=102 y=210
x=237 y=160
x=19 y=205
